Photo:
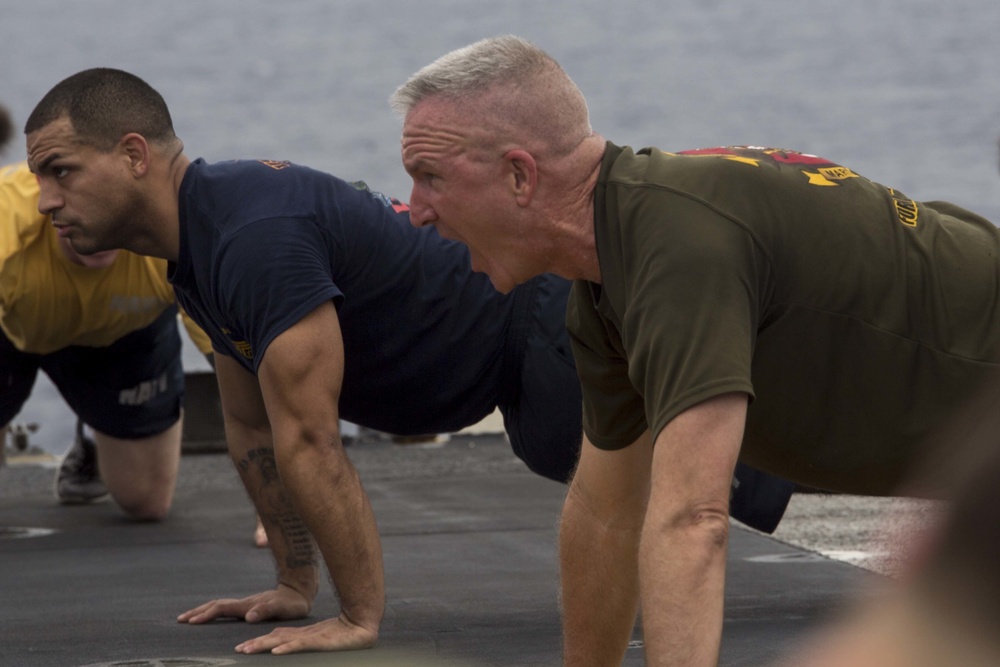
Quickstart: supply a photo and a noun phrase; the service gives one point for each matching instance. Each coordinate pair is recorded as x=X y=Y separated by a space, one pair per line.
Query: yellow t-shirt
x=48 y=303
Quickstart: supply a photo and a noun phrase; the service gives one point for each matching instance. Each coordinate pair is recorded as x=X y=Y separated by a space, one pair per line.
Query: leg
x=543 y=418
x=141 y=473
x=18 y=371
x=130 y=393
x=758 y=499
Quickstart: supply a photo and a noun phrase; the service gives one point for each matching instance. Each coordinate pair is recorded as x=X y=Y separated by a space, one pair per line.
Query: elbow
x=706 y=525
x=309 y=445
x=713 y=525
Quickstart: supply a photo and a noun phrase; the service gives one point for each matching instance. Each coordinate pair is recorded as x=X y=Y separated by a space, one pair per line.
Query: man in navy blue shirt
x=322 y=302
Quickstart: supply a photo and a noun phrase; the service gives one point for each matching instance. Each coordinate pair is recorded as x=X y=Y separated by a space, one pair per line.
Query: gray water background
x=905 y=92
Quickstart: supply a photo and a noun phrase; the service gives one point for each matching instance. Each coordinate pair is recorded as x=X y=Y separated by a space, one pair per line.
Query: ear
x=521 y=174
x=136 y=151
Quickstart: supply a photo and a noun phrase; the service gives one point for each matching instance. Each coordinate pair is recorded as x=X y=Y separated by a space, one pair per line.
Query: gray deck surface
x=469 y=538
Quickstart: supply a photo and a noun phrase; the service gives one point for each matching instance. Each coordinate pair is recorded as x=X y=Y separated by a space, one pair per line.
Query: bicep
x=239 y=392
x=613 y=482
x=302 y=371
x=696 y=452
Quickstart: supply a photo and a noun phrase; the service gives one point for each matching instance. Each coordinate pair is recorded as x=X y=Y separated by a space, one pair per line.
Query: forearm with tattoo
x=260 y=475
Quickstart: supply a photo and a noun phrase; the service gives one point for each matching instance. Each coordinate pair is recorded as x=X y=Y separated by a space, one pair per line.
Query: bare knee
x=141 y=473
x=146 y=508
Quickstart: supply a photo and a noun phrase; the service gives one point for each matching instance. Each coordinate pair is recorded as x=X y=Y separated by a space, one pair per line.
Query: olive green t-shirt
x=858 y=320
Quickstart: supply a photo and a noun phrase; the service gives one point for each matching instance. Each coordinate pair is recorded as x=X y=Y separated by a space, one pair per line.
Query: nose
x=49 y=199
x=421 y=212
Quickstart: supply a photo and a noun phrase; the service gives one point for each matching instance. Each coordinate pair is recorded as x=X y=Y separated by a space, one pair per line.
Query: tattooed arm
x=300 y=378
x=248 y=435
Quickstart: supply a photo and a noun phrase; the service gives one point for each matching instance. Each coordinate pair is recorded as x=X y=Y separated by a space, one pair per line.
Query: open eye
x=53 y=170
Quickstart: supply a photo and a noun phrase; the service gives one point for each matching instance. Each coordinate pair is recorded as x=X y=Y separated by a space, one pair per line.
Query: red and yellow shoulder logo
x=818 y=170
x=277 y=165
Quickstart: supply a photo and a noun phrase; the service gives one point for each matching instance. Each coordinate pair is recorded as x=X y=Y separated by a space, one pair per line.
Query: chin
x=502 y=286
x=95 y=259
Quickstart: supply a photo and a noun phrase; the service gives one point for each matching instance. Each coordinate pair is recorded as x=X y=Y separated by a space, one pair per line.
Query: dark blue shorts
x=130 y=389
x=540 y=398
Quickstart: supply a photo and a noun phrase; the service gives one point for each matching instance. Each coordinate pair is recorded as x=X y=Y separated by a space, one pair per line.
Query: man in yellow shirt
x=103 y=328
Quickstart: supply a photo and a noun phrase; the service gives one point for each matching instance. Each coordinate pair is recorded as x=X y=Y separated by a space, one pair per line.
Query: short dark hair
x=103 y=105
x=6 y=127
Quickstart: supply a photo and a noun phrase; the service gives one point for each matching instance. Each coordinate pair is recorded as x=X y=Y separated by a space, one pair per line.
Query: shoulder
x=270 y=185
x=19 y=207
x=17 y=181
x=262 y=169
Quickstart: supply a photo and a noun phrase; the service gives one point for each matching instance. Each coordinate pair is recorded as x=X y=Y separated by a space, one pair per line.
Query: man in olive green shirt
x=794 y=281
x=731 y=303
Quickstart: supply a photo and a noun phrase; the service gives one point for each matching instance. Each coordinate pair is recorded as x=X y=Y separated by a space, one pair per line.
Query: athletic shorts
x=540 y=397
x=130 y=389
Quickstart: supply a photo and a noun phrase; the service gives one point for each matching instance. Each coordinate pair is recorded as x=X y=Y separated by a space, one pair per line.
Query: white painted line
x=17 y=532
x=853 y=557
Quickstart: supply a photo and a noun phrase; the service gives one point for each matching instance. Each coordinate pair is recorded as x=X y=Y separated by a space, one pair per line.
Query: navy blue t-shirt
x=263 y=243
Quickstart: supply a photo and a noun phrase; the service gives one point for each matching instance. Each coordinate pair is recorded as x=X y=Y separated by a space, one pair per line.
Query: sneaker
x=79 y=481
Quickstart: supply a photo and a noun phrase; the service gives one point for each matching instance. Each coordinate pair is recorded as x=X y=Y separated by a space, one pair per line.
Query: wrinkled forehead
x=434 y=130
x=446 y=128
x=50 y=142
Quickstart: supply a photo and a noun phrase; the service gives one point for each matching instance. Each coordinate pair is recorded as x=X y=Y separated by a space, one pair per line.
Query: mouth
x=62 y=230
x=445 y=233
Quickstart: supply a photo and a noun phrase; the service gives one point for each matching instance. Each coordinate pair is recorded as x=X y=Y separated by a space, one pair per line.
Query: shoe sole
x=69 y=500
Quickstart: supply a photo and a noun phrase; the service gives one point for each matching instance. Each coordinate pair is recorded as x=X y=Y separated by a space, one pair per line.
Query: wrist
x=304 y=581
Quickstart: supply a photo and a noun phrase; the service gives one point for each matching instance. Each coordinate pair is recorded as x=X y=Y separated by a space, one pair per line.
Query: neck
x=574 y=245
x=162 y=238
x=178 y=167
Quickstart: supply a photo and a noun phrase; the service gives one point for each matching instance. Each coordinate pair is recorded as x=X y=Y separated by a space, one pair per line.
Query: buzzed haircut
x=6 y=127
x=472 y=69
x=103 y=105
x=511 y=85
